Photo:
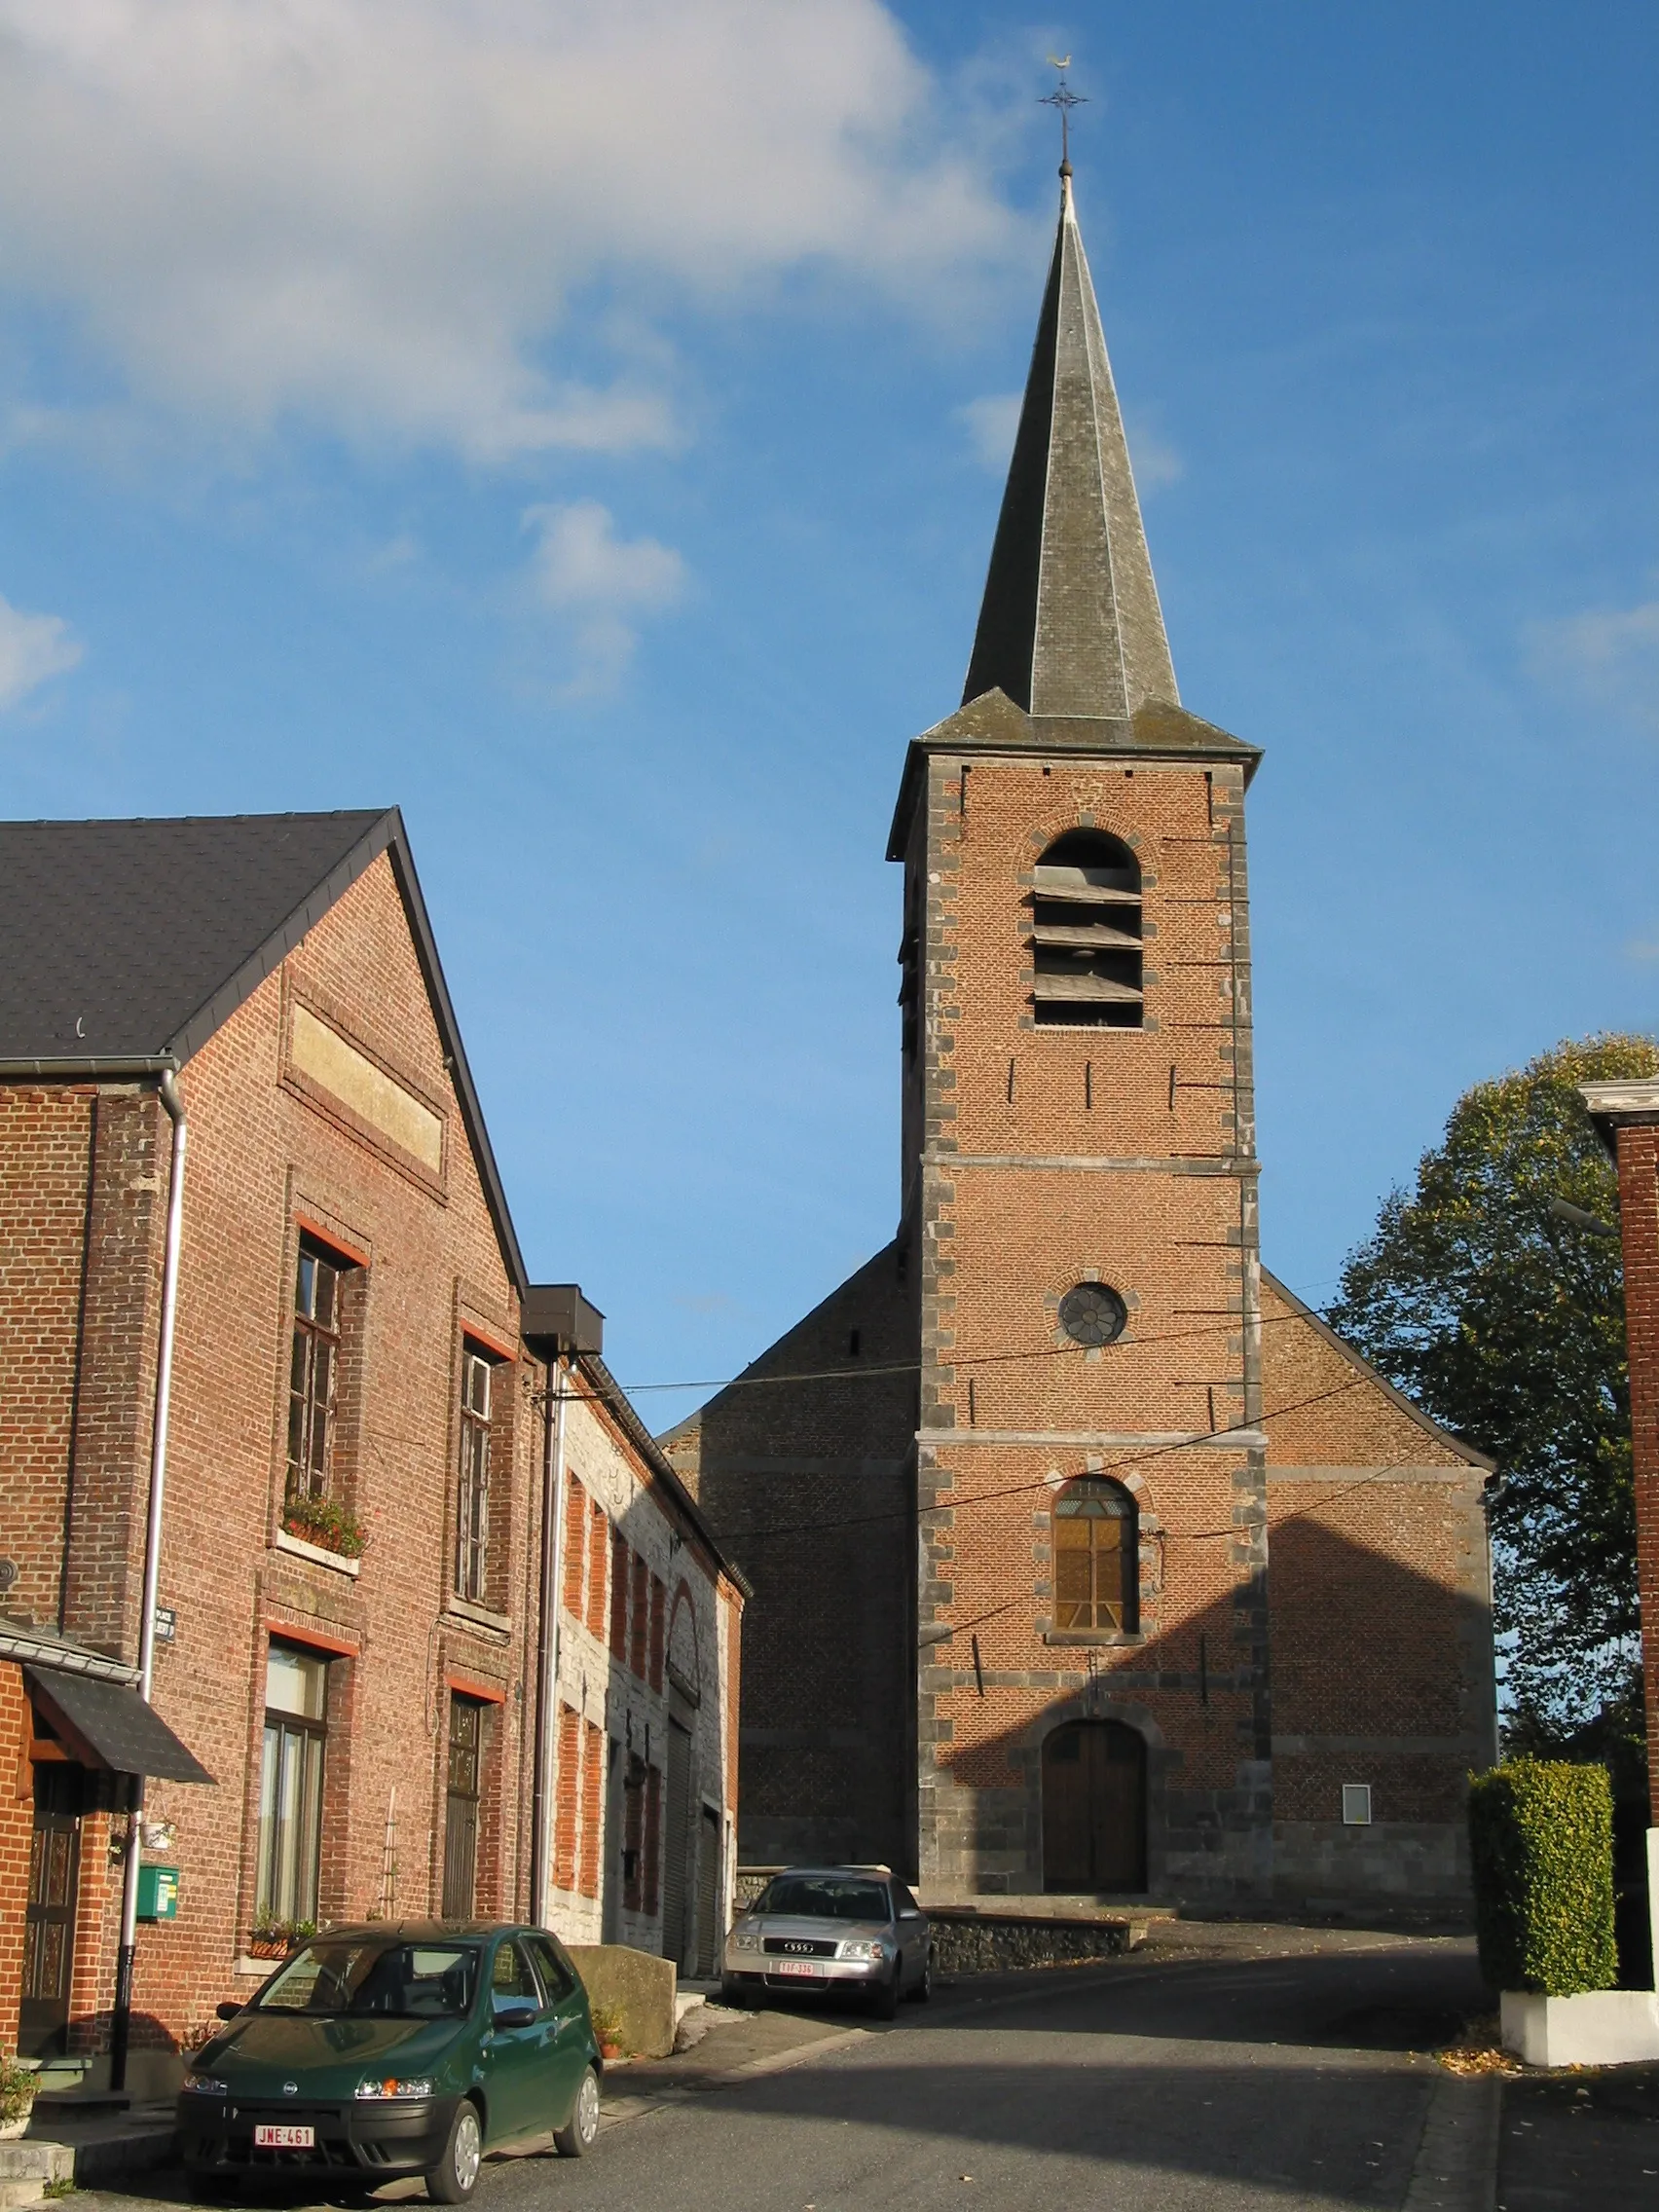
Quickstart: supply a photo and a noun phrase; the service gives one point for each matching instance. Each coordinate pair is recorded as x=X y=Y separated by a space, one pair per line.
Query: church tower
x=1079 y=1204
x=1007 y=1495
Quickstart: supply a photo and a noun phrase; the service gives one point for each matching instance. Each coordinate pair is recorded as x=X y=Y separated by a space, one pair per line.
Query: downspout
x=546 y=1779
x=121 y=2023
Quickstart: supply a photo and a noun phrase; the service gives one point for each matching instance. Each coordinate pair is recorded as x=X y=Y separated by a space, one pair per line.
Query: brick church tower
x=1009 y=1497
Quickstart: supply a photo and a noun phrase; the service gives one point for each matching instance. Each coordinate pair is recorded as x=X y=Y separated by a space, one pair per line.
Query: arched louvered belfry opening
x=1085 y=934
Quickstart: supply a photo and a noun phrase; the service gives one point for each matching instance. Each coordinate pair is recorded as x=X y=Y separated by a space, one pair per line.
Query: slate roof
x=139 y=939
x=1070 y=624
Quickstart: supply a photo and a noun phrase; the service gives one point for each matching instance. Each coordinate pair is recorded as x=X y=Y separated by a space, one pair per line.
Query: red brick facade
x=277 y=1158
x=1312 y=1573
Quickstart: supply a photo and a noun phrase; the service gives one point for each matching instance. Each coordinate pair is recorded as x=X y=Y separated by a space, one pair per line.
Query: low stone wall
x=983 y=1942
x=636 y=1989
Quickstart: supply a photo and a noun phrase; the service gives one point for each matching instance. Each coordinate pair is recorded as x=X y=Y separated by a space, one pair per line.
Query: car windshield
x=824 y=1896
x=405 y=1981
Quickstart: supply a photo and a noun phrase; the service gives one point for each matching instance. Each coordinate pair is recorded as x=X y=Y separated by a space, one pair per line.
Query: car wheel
x=884 y=1997
x=924 y=1987
x=454 y=2177
x=580 y=2136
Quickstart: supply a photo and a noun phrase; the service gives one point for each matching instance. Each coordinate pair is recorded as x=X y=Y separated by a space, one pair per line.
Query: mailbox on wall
x=158 y=1893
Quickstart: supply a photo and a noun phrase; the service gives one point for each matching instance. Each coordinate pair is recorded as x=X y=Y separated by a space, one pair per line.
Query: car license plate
x=271 y=2138
x=807 y=1967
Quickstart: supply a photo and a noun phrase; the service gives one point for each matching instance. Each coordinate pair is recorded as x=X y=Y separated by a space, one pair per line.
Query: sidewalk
x=734 y=2046
x=1575 y=2139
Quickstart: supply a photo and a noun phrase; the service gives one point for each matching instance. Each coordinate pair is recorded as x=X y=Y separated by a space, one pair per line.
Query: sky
x=583 y=426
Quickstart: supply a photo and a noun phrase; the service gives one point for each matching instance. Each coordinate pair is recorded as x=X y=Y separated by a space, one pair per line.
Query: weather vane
x=1065 y=99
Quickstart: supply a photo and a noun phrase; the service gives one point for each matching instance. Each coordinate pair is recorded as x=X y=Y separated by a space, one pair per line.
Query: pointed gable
x=1070 y=625
x=136 y=941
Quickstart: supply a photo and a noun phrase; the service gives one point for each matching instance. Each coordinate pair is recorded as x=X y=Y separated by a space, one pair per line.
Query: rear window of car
x=403 y=1981
x=825 y=1897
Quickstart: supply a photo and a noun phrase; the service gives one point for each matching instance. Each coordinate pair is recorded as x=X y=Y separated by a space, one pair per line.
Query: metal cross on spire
x=1065 y=99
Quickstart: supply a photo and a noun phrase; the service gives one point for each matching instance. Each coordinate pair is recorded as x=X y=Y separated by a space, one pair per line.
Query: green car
x=393 y=2049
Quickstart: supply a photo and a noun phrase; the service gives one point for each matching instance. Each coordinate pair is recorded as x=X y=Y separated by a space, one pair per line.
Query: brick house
x=1085 y=1558
x=356 y=1668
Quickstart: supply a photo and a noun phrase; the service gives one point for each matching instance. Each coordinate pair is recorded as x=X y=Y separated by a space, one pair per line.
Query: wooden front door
x=1095 y=1808
x=49 y=1923
x=460 y=1809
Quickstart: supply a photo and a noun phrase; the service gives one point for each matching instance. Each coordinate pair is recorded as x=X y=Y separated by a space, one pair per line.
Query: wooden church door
x=1095 y=1808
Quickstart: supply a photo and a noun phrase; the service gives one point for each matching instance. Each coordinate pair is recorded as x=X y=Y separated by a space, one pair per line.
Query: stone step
x=34 y=2159
x=22 y=2193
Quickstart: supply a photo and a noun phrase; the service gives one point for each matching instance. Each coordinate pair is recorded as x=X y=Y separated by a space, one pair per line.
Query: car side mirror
x=230 y=2010
x=516 y=2016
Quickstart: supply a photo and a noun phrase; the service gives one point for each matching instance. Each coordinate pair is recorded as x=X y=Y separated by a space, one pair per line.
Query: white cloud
x=602 y=584
x=1611 y=655
x=33 y=649
x=372 y=214
x=991 y=423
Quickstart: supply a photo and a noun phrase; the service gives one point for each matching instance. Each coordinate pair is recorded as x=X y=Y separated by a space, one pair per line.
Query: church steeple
x=1070 y=624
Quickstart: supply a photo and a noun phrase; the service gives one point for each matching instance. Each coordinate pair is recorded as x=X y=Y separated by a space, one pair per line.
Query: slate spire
x=1070 y=624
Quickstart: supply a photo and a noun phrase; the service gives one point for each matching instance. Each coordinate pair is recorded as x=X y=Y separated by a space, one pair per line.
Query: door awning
x=108 y=1724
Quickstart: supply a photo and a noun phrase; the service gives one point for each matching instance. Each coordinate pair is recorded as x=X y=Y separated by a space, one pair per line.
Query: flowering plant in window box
x=325 y=1523
x=273 y=1938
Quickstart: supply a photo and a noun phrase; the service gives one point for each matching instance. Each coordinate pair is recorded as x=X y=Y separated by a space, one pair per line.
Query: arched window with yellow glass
x=1096 y=1559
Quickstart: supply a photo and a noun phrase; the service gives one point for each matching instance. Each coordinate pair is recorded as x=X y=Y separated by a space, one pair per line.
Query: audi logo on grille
x=806 y=1948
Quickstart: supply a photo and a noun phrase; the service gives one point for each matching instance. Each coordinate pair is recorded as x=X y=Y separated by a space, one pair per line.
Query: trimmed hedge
x=1542 y=1836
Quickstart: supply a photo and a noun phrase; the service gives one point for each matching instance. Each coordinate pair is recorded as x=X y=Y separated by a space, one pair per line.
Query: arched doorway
x=1095 y=1807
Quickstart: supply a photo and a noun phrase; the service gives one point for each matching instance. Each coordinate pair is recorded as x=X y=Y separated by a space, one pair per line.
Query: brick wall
x=1035 y=1159
x=1051 y=1157
x=85 y=1191
x=1380 y=1626
x=656 y=1648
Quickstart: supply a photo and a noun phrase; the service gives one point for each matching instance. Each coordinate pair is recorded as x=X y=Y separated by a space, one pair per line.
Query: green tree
x=1507 y=1326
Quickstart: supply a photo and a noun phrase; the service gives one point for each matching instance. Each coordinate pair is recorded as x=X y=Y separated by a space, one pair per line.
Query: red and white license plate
x=271 y=2138
x=807 y=1967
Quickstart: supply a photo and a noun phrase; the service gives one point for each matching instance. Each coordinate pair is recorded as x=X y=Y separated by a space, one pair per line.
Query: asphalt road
x=1296 y=2082
x=1299 y=2082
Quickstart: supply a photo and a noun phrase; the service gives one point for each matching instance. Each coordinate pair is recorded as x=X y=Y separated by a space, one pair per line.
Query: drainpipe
x=544 y=1810
x=121 y=2023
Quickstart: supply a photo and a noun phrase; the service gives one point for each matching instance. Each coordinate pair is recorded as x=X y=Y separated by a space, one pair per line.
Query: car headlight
x=745 y=1939
x=858 y=1947
x=204 y=2085
x=419 y=2086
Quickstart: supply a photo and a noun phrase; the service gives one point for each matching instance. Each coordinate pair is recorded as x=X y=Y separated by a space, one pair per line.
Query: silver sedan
x=840 y=1930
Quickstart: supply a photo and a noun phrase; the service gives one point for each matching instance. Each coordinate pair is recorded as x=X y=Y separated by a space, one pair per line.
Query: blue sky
x=581 y=426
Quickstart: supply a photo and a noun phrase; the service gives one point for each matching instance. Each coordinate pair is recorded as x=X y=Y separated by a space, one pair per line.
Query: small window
x=1096 y=1557
x=290 y=1785
x=1085 y=934
x=1093 y=1315
x=314 y=1379
x=472 y=1514
x=1356 y=1804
